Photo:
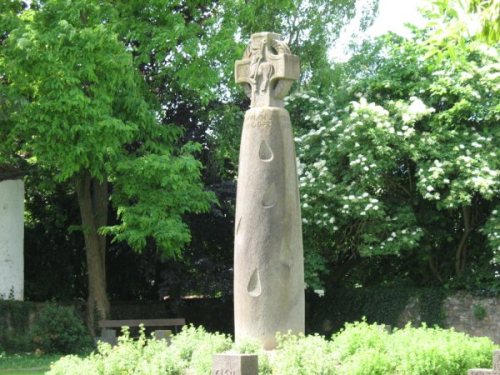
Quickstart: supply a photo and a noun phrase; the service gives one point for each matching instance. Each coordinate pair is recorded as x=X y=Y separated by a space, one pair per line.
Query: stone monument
x=268 y=255
x=11 y=234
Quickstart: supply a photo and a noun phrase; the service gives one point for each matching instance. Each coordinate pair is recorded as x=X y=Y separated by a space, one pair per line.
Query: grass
x=25 y=363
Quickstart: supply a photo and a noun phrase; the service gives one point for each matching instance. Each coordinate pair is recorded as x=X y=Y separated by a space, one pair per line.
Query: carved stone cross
x=268 y=254
x=267 y=70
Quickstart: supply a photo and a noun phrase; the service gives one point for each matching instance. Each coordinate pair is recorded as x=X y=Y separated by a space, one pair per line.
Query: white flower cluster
x=415 y=111
x=403 y=235
x=437 y=169
x=361 y=161
x=362 y=204
x=484 y=180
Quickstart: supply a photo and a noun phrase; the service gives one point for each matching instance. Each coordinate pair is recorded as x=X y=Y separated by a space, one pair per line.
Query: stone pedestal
x=235 y=364
x=11 y=239
x=268 y=255
x=494 y=371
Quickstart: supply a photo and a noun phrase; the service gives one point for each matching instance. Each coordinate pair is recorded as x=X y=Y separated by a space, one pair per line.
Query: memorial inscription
x=235 y=364
x=225 y=372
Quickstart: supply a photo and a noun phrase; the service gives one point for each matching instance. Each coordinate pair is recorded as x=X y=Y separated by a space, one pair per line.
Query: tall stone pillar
x=11 y=234
x=268 y=254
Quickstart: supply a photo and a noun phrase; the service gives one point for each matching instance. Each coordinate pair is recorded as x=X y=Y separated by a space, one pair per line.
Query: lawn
x=25 y=364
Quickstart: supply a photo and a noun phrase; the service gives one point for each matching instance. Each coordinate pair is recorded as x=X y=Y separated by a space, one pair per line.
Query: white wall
x=11 y=239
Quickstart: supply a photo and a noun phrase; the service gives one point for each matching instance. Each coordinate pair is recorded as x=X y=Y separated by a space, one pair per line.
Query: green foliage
x=161 y=200
x=403 y=161
x=376 y=304
x=360 y=348
x=475 y=19
x=192 y=348
x=74 y=104
x=14 y=325
x=299 y=355
x=58 y=330
x=369 y=349
x=23 y=361
x=309 y=27
x=479 y=312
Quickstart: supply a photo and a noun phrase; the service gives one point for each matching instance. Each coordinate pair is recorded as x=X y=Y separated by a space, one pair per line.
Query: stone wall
x=476 y=316
x=396 y=307
x=11 y=239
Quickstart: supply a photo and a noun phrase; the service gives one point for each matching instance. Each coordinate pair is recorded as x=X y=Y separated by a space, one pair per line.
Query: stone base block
x=494 y=371
x=163 y=334
x=235 y=364
x=496 y=361
x=108 y=336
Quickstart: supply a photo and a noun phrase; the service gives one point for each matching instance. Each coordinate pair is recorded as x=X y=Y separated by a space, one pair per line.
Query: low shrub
x=191 y=349
x=359 y=349
x=58 y=330
x=14 y=325
x=362 y=348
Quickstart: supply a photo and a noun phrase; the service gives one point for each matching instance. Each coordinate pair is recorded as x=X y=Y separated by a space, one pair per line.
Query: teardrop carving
x=270 y=197
x=286 y=256
x=238 y=226
x=265 y=152
x=254 y=288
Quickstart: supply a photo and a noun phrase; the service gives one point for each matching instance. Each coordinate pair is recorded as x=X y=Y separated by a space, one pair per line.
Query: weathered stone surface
x=12 y=239
x=108 y=336
x=494 y=371
x=459 y=314
x=235 y=364
x=163 y=334
x=268 y=258
x=267 y=70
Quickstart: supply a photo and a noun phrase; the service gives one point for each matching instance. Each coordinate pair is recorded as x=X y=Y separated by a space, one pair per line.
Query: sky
x=392 y=16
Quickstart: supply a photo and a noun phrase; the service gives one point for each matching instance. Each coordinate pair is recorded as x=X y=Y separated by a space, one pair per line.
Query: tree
x=477 y=19
x=73 y=104
x=402 y=164
x=196 y=90
x=77 y=106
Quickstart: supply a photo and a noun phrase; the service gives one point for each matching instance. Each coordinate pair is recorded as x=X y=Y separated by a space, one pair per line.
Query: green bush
x=362 y=348
x=14 y=325
x=58 y=330
x=359 y=349
x=191 y=349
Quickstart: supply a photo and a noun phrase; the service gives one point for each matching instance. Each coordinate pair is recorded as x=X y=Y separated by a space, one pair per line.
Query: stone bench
x=494 y=371
x=109 y=327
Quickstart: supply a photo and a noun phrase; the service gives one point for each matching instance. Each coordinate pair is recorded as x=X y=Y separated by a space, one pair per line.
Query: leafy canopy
x=77 y=105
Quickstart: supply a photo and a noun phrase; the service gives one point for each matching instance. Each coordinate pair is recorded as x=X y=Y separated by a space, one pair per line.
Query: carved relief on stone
x=267 y=70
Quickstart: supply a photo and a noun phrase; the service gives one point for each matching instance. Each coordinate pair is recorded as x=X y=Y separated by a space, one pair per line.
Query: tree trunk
x=93 y=202
x=434 y=269
x=462 y=246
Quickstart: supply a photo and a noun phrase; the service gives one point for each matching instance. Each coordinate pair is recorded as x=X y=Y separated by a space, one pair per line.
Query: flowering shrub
x=402 y=160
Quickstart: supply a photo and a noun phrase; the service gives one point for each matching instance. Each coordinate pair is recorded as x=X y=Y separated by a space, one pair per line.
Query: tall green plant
x=77 y=106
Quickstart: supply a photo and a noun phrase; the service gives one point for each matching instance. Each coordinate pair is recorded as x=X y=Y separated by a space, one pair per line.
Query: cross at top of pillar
x=267 y=70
